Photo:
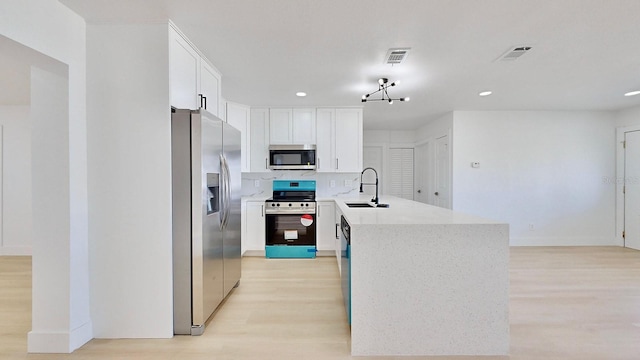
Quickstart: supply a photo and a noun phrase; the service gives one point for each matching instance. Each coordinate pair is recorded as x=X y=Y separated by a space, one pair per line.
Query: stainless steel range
x=291 y=220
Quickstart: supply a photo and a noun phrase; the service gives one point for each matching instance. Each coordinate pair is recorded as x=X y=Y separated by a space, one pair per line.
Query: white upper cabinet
x=325 y=148
x=194 y=82
x=280 y=130
x=259 y=140
x=348 y=140
x=238 y=116
x=292 y=126
x=339 y=135
x=209 y=92
x=184 y=63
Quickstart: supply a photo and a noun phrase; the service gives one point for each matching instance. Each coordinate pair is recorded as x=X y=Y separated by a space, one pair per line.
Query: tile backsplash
x=328 y=184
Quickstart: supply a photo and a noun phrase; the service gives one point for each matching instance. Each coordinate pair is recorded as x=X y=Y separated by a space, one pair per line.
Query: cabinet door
x=255 y=226
x=259 y=140
x=210 y=88
x=304 y=126
x=280 y=129
x=348 y=138
x=325 y=123
x=183 y=73
x=325 y=235
x=238 y=117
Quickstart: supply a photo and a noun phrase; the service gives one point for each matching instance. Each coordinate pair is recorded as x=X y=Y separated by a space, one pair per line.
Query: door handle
x=419 y=191
x=436 y=193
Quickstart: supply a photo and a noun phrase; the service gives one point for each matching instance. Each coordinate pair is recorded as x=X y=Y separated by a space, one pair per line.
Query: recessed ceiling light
x=632 y=93
x=301 y=94
x=485 y=93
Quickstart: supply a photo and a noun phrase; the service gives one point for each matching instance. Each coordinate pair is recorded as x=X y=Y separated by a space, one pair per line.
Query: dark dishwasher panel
x=345 y=259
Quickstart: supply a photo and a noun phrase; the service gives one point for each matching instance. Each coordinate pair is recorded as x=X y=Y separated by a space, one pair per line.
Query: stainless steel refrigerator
x=206 y=188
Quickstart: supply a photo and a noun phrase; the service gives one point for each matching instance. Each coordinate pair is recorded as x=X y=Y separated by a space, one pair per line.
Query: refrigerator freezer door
x=181 y=214
x=231 y=248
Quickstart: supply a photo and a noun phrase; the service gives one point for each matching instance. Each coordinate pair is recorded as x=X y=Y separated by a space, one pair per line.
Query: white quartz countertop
x=403 y=212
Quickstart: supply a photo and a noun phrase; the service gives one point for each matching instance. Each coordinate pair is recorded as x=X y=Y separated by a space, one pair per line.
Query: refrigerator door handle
x=223 y=197
x=228 y=191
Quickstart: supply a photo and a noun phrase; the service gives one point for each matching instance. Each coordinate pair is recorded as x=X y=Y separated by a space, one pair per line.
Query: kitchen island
x=427 y=281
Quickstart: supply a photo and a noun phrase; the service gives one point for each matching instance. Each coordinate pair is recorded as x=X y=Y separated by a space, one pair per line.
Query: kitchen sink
x=359 y=205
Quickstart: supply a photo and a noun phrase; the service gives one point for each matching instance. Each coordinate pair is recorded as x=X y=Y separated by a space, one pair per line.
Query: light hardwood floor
x=566 y=303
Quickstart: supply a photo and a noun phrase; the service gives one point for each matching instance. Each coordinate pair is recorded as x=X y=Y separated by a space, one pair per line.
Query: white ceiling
x=585 y=53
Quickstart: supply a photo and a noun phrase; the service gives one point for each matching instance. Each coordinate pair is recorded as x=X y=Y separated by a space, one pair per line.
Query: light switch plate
x=256 y=183
x=333 y=183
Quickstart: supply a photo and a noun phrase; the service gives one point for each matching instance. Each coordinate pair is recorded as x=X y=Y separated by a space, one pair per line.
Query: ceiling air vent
x=396 y=56
x=514 y=53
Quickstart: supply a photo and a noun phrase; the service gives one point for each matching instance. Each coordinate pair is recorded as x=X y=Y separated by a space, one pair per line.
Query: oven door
x=290 y=235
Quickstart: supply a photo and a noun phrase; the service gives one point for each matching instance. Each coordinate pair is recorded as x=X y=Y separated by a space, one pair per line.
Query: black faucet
x=375 y=199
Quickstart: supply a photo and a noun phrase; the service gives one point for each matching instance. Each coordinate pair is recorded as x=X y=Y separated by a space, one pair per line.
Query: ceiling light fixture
x=301 y=94
x=383 y=85
x=632 y=93
x=485 y=93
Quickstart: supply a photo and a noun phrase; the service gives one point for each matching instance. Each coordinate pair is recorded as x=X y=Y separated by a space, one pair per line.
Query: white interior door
x=421 y=166
x=442 y=195
x=372 y=157
x=632 y=190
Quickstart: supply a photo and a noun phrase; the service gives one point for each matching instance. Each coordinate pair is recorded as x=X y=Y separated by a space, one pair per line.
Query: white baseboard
x=59 y=342
x=254 y=253
x=15 y=251
x=563 y=241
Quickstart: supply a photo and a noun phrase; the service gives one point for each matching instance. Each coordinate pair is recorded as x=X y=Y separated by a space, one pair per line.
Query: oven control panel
x=290 y=207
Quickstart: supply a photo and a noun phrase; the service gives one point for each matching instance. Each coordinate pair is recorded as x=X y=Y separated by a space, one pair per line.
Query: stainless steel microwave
x=292 y=157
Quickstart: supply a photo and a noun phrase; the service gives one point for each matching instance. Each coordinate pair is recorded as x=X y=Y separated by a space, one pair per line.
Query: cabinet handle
x=262 y=210
x=337 y=230
x=203 y=100
x=318 y=166
x=266 y=165
x=337 y=166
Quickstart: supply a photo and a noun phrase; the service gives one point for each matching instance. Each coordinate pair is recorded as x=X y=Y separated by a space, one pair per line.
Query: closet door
x=401 y=161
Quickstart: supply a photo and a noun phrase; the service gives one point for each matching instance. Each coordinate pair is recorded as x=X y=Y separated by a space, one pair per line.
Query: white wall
x=628 y=117
x=48 y=31
x=129 y=132
x=435 y=129
x=16 y=181
x=541 y=168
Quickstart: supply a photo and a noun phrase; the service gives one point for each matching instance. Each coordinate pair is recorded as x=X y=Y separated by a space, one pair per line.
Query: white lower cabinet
x=253 y=221
x=325 y=227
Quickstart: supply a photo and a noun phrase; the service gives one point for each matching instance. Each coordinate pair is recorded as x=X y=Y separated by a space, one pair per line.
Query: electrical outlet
x=256 y=183
x=348 y=183
x=333 y=183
